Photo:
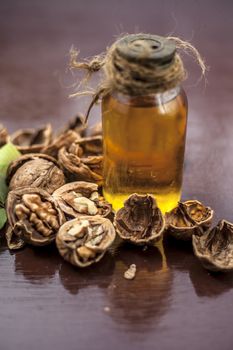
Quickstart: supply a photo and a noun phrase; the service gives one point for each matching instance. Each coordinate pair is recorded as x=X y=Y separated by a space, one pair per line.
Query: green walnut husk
x=8 y=153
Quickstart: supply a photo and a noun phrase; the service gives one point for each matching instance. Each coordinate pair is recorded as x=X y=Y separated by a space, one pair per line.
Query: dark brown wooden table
x=173 y=303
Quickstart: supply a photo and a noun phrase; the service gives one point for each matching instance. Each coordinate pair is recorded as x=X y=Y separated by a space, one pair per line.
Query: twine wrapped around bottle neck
x=132 y=77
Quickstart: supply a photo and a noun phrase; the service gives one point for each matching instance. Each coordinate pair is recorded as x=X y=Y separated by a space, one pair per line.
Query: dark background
x=44 y=302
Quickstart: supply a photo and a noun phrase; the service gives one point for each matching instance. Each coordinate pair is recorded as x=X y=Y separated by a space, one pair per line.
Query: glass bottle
x=144 y=144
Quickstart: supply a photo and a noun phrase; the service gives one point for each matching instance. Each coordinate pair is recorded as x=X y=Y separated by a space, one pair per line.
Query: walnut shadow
x=142 y=301
x=205 y=283
x=74 y=278
x=37 y=265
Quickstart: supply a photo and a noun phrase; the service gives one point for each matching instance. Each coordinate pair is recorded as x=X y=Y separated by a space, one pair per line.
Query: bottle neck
x=148 y=100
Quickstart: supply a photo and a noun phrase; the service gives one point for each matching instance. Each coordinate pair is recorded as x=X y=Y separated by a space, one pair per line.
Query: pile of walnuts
x=55 y=194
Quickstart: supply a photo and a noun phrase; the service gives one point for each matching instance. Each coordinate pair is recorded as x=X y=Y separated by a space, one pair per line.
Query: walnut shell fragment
x=79 y=198
x=76 y=124
x=91 y=146
x=63 y=140
x=4 y=137
x=214 y=249
x=84 y=240
x=78 y=168
x=140 y=221
x=34 y=217
x=36 y=170
x=32 y=140
x=188 y=218
x=96 y=130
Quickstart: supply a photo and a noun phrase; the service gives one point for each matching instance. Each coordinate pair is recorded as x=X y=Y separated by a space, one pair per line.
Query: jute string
x=132 y=78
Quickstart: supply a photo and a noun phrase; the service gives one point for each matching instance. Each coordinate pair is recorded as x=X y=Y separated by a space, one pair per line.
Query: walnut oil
x=144 y=122
x=144 y=143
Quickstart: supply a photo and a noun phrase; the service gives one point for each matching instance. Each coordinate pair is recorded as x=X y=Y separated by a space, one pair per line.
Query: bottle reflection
x=142 y=301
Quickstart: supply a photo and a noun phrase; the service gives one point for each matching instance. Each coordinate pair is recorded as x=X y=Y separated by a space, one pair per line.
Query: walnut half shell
x=140 y=221
x=188 y=218
x=79 y=198
x=84 y=240
x=34 y=217
x=215 y=248
x=32 y=140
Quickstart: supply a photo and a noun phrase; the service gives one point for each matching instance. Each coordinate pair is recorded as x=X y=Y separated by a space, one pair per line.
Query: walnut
x=63 y=140
x=13 y=237
x=76 y=124
x=91 y=146
x=84 y=240
x=140 y=221
x=79 y=168
x=34 y=217
x=36 y=170
x=79 y=198
x=96 y=130
x=188 y=218
x=215 y=247
x=32 y=140
x=4 y=137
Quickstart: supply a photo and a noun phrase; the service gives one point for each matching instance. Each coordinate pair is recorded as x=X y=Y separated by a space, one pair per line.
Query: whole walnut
x=35 y=170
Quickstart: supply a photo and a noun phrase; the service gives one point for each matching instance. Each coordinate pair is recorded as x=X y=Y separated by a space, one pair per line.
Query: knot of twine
x=133 y=78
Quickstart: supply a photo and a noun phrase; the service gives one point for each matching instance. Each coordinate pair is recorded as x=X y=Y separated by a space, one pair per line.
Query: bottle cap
x=146 y=48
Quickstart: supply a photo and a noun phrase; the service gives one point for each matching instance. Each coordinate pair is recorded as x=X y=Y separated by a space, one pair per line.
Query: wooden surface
x=44 y=302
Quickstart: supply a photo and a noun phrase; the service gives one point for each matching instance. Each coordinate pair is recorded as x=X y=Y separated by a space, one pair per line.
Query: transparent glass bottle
x=144 y=144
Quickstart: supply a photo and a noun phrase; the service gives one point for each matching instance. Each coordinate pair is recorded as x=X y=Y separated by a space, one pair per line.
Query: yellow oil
x=144 y=143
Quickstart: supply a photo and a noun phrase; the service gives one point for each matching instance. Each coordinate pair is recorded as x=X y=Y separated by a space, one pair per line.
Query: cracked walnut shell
x=34 y=216
x=188 y=218
x=81 y=198
x=84 y=240
x=79 y=168
x=36 y=170
x=140 y=221
x=4 y=137
x=32 y=140
x=62 y=140
x=214 y=249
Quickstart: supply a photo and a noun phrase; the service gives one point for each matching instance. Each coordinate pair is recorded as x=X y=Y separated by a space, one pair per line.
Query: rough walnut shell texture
x=215 y=248
x=188 y=218
x=3 y=135
x=140 y=221
x=34 y=217
x=84 y=240
x=81 y=198
x=36 y=170
x=79 y=168
x=32 y=140
x=63 y=140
